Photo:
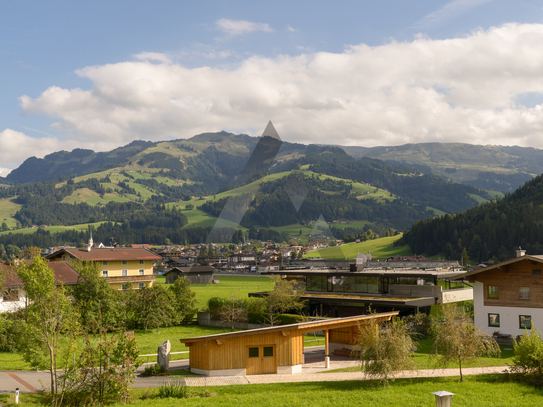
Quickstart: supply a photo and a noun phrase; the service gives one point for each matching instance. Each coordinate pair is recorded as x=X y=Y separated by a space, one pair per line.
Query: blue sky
x=101 y=74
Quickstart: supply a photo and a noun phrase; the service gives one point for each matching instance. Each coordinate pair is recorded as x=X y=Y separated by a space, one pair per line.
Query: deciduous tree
x=385 y=348
x=457 y=340
x=49 y=332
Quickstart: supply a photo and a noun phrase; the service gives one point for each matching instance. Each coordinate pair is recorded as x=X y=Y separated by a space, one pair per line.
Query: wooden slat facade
x=230 y=351
x=509 y=278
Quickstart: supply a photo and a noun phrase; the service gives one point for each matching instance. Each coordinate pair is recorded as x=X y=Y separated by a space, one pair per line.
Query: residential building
x=123 y=267
x=508 y=296
x=196 y=274
x=14 y=296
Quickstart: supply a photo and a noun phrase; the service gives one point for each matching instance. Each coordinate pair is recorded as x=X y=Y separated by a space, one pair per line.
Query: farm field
x=379 y=248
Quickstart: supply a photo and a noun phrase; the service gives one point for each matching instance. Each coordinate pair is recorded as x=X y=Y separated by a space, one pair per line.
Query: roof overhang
x=470 y=276
x=303 y=327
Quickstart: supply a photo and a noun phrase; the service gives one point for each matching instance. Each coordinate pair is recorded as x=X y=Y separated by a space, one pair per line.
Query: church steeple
x=91 y=243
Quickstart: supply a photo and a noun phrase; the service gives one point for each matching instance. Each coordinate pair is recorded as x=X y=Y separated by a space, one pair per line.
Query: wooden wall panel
x=508 y=279
x=232 y=352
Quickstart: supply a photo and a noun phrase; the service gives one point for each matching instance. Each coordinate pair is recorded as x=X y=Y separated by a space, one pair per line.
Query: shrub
x=154 y=370
x=528 y=360
x=172 y=389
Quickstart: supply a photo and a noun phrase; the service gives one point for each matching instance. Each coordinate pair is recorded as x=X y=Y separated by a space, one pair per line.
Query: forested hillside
x=158 y=191
x=499 y=168
x=490 y=231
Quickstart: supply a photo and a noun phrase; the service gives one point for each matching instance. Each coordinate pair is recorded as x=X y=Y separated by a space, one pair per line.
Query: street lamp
x=443 y=398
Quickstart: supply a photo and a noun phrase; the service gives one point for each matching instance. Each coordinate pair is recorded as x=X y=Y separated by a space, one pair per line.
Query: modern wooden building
x=277 y=349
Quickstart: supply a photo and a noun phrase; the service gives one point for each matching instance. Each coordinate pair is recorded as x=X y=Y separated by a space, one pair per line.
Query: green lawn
x=480 y=391
x=379 y=248
x=230 y=285
x=424 y=359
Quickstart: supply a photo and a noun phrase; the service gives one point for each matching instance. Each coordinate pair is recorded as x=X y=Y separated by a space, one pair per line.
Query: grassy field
x=480 y=391
x=7 y=210
x=379 y=248
x=230 y=285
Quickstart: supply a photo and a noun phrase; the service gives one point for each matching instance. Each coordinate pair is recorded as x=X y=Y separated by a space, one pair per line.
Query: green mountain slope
x=500 y=168
x=174 y=191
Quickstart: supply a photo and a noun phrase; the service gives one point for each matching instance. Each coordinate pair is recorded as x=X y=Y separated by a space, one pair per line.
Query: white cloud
x=237 y=27
x=15 y=147
x=153 y=56
x=450 y=10
x=456 y=90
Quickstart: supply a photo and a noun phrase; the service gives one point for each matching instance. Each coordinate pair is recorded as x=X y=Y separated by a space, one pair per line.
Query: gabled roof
x=195 y=269
x=304 y=327
x=108 y=254
x=64 y=274
x=469 y=275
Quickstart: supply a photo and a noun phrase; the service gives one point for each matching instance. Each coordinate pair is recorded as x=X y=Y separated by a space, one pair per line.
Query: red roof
x=111 y=254
x=64 y=274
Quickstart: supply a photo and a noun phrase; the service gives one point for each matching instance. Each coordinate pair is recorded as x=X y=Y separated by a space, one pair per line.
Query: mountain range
x=174 y=191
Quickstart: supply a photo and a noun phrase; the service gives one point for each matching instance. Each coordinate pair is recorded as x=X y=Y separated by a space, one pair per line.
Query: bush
x=528 y=360
x=154 y=370
x=172 y=389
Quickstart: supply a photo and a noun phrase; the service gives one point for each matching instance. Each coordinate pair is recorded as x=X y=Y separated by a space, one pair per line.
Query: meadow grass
x=379 y=248
x=230 y=285
x=480 y=391
x=8 y=208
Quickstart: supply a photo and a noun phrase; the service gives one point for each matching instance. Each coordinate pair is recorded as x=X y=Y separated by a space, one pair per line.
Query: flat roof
x=370 y=273
x=301 y=326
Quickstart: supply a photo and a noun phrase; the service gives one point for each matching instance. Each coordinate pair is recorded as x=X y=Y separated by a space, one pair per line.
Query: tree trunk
x=460 y=364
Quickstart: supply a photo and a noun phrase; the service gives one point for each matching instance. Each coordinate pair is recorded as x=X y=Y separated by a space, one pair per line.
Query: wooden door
x=261 y=360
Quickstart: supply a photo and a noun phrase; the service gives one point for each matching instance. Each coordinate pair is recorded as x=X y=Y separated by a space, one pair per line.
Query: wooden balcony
x=131 y=279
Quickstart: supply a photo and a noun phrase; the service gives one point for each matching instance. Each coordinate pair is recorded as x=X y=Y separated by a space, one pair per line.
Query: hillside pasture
x=382 y=248
x=8 y=208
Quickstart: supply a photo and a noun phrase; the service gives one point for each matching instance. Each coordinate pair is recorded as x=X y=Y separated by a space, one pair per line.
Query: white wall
x=12 y=306
x=509 y=316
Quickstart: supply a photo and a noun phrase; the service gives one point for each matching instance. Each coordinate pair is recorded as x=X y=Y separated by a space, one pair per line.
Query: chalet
x=196 y=274
x=14 y=295
x=276 y=349
x=123 y=267
x=508 y=296
x=337 y=293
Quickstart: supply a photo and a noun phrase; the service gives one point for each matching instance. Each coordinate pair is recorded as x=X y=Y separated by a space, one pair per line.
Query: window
x=253 y=352
x=492 y=291
x=494 y=320
x=525 y=321
x=124 y=273
x=524 y=293
x=141 y=272
x=142 y=261
x=536 y=272
x=105 y=273
x=11 y=295
x=63 y=258
x=141 y=286
x=105 y=263
x=125 y=286
x=124 y=262
x=268 y=350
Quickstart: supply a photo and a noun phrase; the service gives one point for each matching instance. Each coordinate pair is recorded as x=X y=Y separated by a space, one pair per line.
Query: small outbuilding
x=196 y=274
x=277 y=349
